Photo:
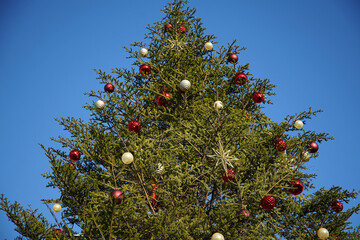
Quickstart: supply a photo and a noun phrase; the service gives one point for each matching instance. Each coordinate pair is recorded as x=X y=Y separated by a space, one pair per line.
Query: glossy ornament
x=56 y=207
x=182 y=30
x=244 y=212
x=337 y=206
x=143 y=52
x=116 y=196
x=144 y=69
x=233 y=58
x=280 y=145
x=218 y=105
x=184 y=85
x=127 y=158
x=74 y=155
x=230 y=176
x=109 y=88
x=296 y=187
x=258 y=97
x=167 y=27
x=298 y=124
x=208 y=46
x=163 y=100
x=58 y=231
x=268 y=202
x=99 y=105
x=323 y=233
x=217 y=236
x=240 y=79
x=313 y=147
x=134 y=126
x=305 y=156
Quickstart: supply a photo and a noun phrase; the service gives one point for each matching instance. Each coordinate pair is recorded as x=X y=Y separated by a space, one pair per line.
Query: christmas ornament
x=144 y=52
x=233 y=58
x=127 y=158
x=280 y=145
x=163 y=100
x=116 y=196
x=229 y=176
x=298 y=124
x=217 y=236
x=153 y=193
x=109 y=88
x=223 y=156
x=258 y=97
x=218 y=105
x=134 y=126
x=268 y=202
x=57 y=231
x=305 y=156
x=313 y=147
x=57 y=207
x=184 y=85
x=182 y=30
x=244 y=212
x=337 y=206
x=240 y=79
x=323 y=233
x=74 y=155
x=296 y=187
x=145 y=69
x=167 y=27
x=99 y=105
x=160 y=168
x=208 y=46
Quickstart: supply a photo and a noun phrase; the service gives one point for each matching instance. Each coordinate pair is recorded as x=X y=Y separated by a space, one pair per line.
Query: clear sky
x=309 y=49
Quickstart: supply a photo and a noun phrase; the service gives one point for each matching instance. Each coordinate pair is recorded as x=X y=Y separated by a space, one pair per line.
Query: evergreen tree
x=178 y=147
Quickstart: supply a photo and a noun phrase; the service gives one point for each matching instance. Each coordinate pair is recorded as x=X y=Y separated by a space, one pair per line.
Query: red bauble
x=296 y=187
x=268 y=202
x=145 y=69
x=75 y=155
x=162 y=101
x=116 y=196
x=240 y=79
x=167 y=27
x=258 y=97
x=313 y=147
x=244 y=212
x=182 y=30
x=134 y=126
x=57 y=231
x=109 y=88
x=337 y=206
x=280 y=145
x=230 y=176
x=233 y=58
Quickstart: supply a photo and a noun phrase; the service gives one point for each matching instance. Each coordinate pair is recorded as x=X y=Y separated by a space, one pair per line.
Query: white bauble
x=99 y=105
x=127 y=158
x=305 y=156
x=217 y=236
x=298 y=124
x=218 y=105
x=57 y=207
x=184 y=85
x=159 y=169
x=208 y=46
x=323 y=233
x=144 y=52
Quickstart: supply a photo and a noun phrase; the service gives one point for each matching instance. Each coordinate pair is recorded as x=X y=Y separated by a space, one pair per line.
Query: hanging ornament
x=145 y=69
x=74 y=155
x=268 y=202
x=182 y=30
x=298 y=124
x=56 y=207
x=258 y=97
x=127 y=158
x=58 y=231
x=296 y=187
x=160 y=169
x=153 y=192
x=109 y=88
x=218 y=105
x=323 y=233
x=217 y=236
x=233 y=58
x=244 y=212
x=134 y=126
x=229 y=176
x=337 y=206
x=99 y=105
x=280 y=145
x=305 y=156
x=163 y=100
x=240 y=79
x=185 y=85
x=313 y=147
x=116 y=196
x=143 y=52
x=208 y=46
x=167 y=27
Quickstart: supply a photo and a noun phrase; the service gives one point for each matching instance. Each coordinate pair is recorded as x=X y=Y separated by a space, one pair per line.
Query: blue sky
x=309 y=49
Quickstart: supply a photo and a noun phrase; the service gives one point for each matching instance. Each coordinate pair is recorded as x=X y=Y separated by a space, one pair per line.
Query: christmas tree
x=178 y=147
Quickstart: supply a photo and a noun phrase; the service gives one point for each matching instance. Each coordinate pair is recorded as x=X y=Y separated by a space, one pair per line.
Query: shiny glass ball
x=144 y=52
x=323 y=233
x=184 y=85
x=298 y=124
x=127 y=158
x=208 y=46
x=99 y=105
x=218 y=105
x=217 y=236
x=56 y=207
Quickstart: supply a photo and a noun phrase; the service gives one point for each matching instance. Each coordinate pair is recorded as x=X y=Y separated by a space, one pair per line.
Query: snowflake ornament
x=223 y=156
